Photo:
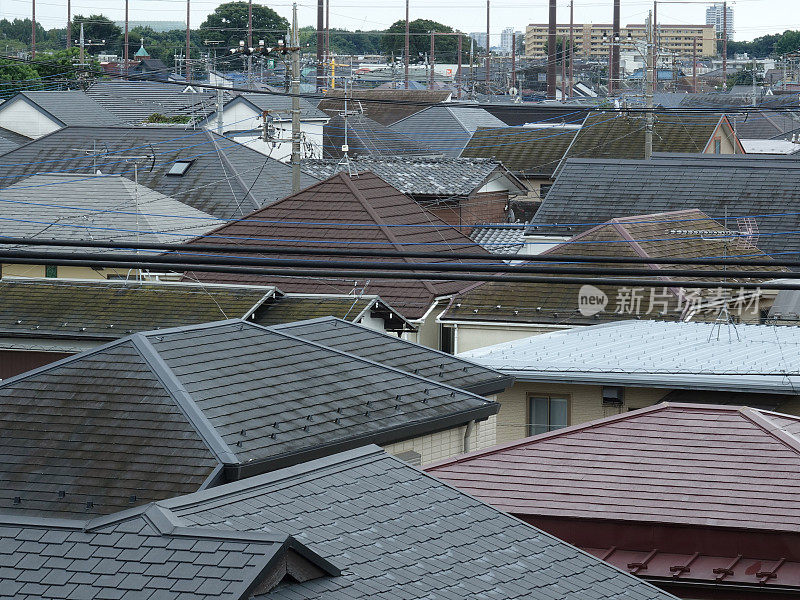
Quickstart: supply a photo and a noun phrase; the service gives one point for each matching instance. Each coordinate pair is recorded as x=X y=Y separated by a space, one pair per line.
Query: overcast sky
x=753 y=18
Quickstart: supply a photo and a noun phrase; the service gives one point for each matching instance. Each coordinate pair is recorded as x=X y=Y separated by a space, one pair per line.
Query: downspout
x=455 y=339
x=470 y=427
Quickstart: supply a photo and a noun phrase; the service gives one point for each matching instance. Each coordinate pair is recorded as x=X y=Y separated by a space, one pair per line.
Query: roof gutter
x=235 y=472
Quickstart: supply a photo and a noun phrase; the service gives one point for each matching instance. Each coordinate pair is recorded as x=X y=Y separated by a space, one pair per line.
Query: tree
x=393 y=41
x=97 y=28
x=560 y=49
x=228 y=23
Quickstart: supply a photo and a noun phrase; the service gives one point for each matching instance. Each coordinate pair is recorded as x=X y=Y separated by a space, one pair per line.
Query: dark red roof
x=678 y=464
x=362 y=211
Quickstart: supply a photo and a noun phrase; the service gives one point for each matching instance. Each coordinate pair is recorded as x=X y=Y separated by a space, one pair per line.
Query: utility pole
x=296 y=101
x=725 y=44
x=187 y=62
x=33 y=29
x=458 y=72
x=615 y=41
x=69 y=23
x=513 y=60
x=320 y=43
x=571 y=45
x=655 y=39
x=551 y=53
x=563 y=68
x=407 y=44
x=125 y=49
x=250 y=42
x=488 y=53
x=83 y=46
x=433 y=58
x=694 y=64
x=753 y=78
x=649 y=72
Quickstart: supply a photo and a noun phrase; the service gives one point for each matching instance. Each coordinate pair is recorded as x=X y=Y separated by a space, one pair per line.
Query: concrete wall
x=584 y=404
x=448 y=443
x=24 y=118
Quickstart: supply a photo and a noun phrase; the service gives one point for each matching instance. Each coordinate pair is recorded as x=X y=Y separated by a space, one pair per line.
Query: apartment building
x=590 y=42
x=715 y=15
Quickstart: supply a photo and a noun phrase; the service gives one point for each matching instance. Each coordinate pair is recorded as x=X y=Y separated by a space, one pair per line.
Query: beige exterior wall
x=83 y=273
x=470 y=337
x=449 y=443
x=584 y=404
x=678 y=39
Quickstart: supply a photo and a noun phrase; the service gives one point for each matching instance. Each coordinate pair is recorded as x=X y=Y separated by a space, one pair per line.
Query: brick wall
x=489 y=207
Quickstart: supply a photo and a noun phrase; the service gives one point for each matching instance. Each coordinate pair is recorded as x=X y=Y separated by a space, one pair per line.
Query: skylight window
x=179 y=167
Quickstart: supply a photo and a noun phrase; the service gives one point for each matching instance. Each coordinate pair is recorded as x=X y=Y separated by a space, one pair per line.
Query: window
x=179 y=167
x=546 y=413
x=447 y=339
x=51 y=271
x=717 y=146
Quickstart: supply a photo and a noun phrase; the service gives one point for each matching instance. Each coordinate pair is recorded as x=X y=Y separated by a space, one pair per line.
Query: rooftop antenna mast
x=345 y=160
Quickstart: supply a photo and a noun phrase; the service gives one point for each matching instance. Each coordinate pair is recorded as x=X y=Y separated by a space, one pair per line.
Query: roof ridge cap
x=535 y=439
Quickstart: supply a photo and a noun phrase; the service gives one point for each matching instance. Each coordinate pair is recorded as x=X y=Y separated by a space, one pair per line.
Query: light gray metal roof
x=741 y=358
x=70 y=107
x=97 y=207
x=397 y=533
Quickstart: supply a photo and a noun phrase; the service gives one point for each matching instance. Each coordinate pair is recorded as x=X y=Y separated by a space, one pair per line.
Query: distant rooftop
x=754 y=358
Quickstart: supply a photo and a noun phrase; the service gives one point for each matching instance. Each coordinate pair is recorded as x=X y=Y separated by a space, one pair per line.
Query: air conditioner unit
x=612 y=395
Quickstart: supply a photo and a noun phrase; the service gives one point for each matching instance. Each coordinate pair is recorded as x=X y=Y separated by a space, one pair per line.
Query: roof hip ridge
x=386 y=231
x=760 y=419
x=184 y=401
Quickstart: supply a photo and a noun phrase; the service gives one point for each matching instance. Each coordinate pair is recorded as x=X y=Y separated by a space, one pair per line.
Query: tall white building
x=715 y=15
x=507 y=39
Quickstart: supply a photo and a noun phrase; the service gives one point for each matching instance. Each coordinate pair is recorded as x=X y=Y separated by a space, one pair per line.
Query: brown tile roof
x=343 y=212
x=687 y=464
x=379 y=105
x=679 y=234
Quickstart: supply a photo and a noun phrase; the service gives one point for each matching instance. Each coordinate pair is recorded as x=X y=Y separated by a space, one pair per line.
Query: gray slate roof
x=396 y=532
x=226 y=179
x=98 y=208
x=10 y=140
x=134 y=101
x=141 y=554
x=591 y=191
x=446 y=129
x=158 y=414
x=366 y=137
x=418 y=176
x=68 y=107
x=278 y=102
x=499 y=238
x=399 y=353
x=663 y=354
